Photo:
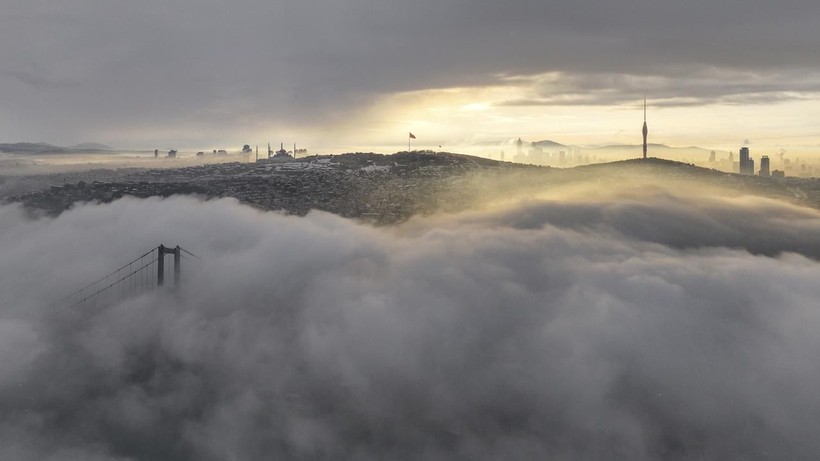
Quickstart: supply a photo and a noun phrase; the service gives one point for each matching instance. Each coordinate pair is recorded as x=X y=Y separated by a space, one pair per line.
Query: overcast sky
x=333 y=74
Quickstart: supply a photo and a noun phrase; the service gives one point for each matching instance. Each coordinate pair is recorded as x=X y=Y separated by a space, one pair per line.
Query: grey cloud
x=598 y=329
x=38 y=81
x=213 y=69
x=754 y=224
x=704 y=86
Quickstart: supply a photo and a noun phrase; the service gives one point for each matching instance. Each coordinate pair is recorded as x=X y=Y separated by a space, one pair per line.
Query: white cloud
x=616 y=328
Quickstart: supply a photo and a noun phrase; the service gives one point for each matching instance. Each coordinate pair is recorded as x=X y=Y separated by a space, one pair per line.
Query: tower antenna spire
x=645 y=130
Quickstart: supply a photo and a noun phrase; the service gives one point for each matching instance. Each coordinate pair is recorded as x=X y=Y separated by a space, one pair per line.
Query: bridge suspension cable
x=102 y=279
x=186 y=251
x=131 y=279
x=101 y=290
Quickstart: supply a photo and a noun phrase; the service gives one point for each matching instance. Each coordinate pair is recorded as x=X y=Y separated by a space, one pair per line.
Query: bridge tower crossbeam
x=162 y=250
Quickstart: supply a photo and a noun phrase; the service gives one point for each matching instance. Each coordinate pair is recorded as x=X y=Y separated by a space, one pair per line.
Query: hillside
x=41 y=148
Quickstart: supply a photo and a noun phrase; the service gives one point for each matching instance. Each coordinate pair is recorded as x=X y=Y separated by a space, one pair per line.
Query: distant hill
x=547 y=143
x=23 y=147
x=654 y=150
x=619 y=151
x=90 y=146
x=31 y=148
x=650 y=145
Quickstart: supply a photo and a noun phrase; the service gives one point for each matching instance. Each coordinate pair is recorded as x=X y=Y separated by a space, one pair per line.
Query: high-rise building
x=764 y=166
x=645 y=130
x=747 y=165
x=537 y=155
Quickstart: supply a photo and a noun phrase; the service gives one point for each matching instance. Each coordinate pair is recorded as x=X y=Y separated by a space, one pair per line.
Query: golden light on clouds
x=478 y=119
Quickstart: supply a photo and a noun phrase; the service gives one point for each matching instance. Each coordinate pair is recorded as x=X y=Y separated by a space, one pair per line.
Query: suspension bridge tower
x=162 y=250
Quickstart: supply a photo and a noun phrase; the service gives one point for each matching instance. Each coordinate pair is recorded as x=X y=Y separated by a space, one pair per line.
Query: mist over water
x=616 y=327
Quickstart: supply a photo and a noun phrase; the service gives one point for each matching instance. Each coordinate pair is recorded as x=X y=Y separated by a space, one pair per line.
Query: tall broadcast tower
x=645 y=129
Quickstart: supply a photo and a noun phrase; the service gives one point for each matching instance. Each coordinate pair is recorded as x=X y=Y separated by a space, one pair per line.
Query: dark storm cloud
x=209 y=67
x=606 y=330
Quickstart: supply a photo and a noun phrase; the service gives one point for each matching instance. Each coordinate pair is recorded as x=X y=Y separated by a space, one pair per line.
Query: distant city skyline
x=338 y=76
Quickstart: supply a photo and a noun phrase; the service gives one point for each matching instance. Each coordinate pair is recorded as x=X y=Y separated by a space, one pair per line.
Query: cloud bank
x=698 y=87
x=666 y=327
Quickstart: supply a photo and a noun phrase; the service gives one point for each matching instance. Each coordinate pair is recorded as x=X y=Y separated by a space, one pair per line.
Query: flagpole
x=408 y=142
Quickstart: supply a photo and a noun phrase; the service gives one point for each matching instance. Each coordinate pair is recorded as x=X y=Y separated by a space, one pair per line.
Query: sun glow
x=469 y=119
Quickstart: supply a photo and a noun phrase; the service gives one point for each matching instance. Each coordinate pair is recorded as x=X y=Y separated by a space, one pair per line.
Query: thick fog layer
x=612 y=329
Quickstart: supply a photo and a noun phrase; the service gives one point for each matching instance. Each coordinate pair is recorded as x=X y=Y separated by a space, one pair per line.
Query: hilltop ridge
x=28 y=148
x=385 y=189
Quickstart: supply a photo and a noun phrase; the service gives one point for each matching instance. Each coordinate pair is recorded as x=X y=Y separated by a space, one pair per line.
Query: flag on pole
x=412 y=136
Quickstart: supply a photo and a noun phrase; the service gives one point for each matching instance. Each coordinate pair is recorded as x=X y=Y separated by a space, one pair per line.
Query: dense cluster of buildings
x=746 y=165
x=282 y=153
x=545 y=153
x=378 y=188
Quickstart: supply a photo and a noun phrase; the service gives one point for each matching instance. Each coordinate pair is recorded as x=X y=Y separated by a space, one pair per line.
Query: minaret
x=645 y=129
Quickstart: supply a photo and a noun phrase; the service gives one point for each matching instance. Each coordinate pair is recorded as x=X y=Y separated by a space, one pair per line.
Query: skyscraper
x=645 y=129
x=764 y=166
x=746 y=163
